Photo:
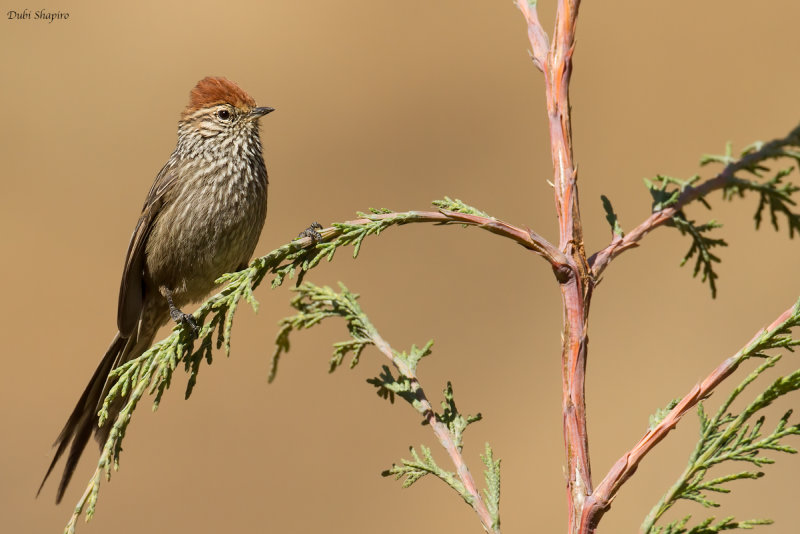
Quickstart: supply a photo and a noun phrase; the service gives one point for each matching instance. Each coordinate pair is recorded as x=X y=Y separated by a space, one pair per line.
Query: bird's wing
x=131 y=290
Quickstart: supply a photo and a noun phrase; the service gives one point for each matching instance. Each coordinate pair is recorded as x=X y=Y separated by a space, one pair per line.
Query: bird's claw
x=185 y=319
x=313 y=232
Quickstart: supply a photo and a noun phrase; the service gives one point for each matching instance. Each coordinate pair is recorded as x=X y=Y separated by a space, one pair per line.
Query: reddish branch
x=577 y=276
x=555 y=62
x=600 y=500
x=525 y=237
x=600 y=260
x=536 y=34
x=774 y=149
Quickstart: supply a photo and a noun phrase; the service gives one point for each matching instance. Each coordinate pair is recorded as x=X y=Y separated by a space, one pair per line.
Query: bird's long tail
x=84 y=419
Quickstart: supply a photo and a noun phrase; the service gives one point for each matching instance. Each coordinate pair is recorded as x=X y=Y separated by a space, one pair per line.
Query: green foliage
x=455 y=422
x=611 y=217
x=388 y=386
x=707 y=526
x=415 y=355
x=412 y=470
x=492 y=491
x=775 y=196
x=666 y=192
x=304 y=259
x=314 y=304
x=459 y=207
x=701 y=247
x=152 y=371
x=661 y=413
x=728 y=438
x=418 y=467
x=296 y=259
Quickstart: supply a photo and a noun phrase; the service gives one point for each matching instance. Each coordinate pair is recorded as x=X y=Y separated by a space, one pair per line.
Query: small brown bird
x=202 y=218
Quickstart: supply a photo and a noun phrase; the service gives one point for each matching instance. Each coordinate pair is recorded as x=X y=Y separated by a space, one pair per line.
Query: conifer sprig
x=315 y=304
x=734 y=438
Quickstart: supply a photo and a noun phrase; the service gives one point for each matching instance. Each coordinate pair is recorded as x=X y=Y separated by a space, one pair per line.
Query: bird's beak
x=255 y=113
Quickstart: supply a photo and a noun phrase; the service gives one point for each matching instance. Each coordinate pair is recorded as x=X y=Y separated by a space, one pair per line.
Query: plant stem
x=555 y=62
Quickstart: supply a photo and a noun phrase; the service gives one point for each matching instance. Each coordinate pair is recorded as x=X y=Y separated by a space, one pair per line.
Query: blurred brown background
x=388 y=105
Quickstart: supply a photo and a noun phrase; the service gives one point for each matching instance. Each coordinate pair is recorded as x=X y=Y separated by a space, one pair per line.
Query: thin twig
x=536 y=34
x=441 y=431
x=524 y=237
x=71 y=524
x=600 y=260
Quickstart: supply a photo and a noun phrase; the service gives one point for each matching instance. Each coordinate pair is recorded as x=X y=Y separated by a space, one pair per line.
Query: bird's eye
x=224 y=114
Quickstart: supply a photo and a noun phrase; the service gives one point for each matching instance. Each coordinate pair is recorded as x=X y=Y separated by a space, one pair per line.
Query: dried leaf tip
x=213 y=90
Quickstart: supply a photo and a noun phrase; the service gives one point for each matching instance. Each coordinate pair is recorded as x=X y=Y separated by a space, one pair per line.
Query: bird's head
x=220 y=114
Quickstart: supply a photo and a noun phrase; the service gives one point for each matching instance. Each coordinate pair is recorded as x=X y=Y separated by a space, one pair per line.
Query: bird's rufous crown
x=213 y=90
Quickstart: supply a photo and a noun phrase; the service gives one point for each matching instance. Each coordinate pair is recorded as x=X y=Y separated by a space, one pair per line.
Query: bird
x=201 y=218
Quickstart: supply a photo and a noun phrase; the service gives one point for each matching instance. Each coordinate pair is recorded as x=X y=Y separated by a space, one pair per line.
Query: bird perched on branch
x=202 y=218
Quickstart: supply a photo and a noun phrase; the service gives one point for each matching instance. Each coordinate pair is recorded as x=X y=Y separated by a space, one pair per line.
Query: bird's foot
x=313 y=232
x=177 y=315
x=184 y=318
